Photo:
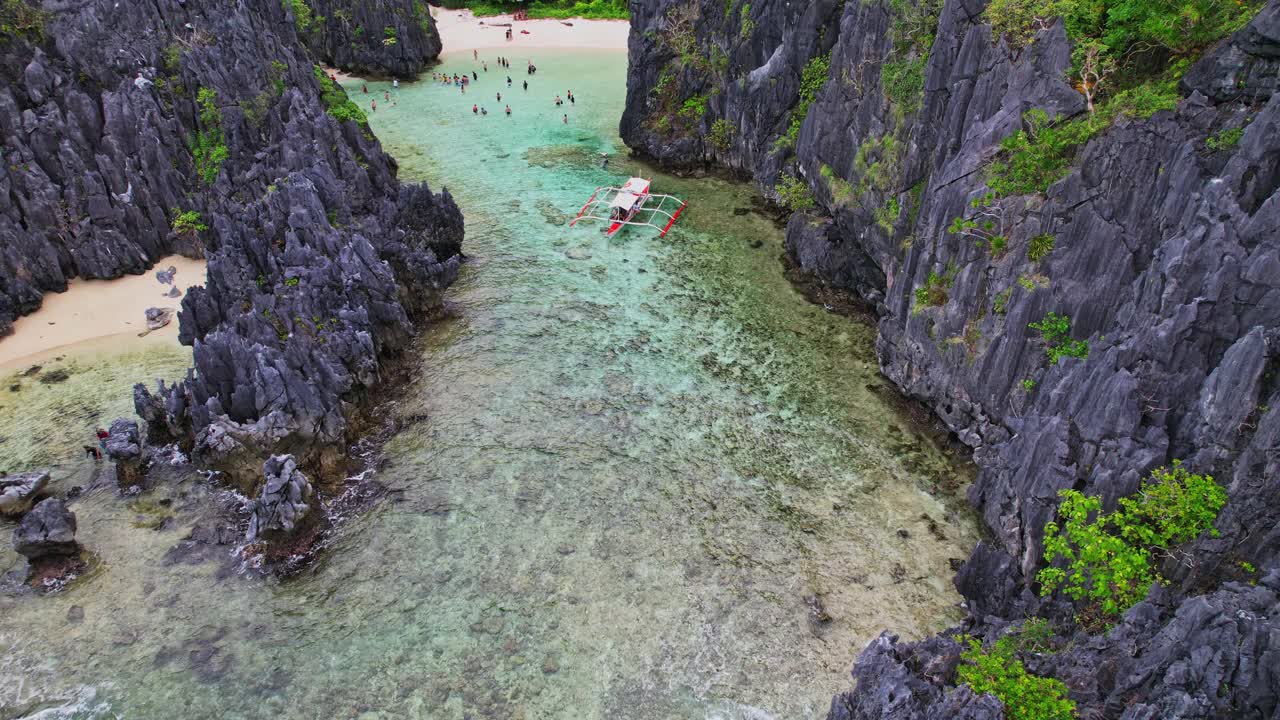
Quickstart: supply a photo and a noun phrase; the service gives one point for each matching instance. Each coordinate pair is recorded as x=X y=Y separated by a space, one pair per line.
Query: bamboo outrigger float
x=632 y=204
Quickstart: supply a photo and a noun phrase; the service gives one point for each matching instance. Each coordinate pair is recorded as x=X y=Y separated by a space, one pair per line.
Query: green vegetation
x=935 y=290
x=20 y=20
x=812 y=78
x=748 y=25
x=389 y=37
x=915 y=23
x=1110 y=561
x=721 y=135
x=1129 y=53
x=208 y=145
x=560 y=9
x=794 y=193
x=840 y=188
x=1056 y=331
x=188 y=222
x=304 y=18
x=1039 y=247
x=1224 y=139
x=1035 y=635
x=1028 y=384
x=1001 y=303
x=420 y=11
x=336 y=102
x=693 y=109
x=172 y=60
x=887 y=214
x=985 y=224
x=999 y=672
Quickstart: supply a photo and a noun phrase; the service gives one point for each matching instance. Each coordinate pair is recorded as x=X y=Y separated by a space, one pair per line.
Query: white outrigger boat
x=632 y=204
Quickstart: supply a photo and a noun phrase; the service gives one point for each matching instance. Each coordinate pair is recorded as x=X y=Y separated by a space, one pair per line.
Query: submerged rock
x=19 y=492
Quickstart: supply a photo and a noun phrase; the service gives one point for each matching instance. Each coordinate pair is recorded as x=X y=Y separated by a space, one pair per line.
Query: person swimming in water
x=566 y=119
x=508 y=111
x=475 y=109
x=499 y=97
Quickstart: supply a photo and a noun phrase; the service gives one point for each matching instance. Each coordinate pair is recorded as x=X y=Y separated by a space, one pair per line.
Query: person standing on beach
x=395 y=83
x=475 y=54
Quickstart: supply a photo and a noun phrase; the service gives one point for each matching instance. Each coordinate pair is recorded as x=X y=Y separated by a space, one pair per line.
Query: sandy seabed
x=93 y=309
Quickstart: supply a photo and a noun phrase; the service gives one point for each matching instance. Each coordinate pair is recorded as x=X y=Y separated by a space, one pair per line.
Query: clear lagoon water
x=642 y=478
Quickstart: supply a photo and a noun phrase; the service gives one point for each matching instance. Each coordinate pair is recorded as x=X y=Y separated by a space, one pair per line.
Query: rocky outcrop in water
x=124 y=446
x=136 y=129
x=46 y=537
x=378 y=37
x=286 y=514
x=285 y=502
x=19 y=492
x=49 y=530
x=1159 y=245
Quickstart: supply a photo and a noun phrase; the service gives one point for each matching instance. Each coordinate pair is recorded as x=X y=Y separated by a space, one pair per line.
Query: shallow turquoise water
x=630 y=466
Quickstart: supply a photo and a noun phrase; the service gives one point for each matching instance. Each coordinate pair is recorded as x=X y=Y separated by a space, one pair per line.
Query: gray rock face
x=124 y=446
x=49 y=530
x=19 y=492
x=320 y=261
x=375 y=37
x=286 y=506
x=1165 y=255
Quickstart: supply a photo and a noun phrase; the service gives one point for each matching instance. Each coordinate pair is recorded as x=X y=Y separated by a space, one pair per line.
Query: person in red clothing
x=475 y=109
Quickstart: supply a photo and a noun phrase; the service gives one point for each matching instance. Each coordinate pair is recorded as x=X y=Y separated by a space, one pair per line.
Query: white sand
x=94 y=309
x=461 y=31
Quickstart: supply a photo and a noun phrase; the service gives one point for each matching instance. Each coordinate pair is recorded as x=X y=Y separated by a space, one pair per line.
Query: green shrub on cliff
x=18 y=19
x=208 y=145
x=188 y=222
x=336 y=102
x=794 y=193
x=1110 y=560
x=999 y=672
x=303 y=17
x=812 y=78
x=1056 y=331
x=721 y=135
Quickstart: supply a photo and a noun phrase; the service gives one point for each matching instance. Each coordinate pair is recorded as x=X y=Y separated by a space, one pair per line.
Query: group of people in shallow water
x=462 y=82
x=386 y=94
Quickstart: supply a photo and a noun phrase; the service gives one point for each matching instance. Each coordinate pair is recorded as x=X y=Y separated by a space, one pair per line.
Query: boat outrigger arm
x=632 y=204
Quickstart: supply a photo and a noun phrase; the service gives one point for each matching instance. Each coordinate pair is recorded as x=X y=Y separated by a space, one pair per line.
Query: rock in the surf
x=19 y=492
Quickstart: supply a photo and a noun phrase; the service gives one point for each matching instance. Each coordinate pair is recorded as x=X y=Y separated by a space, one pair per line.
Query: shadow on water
x=641 y=478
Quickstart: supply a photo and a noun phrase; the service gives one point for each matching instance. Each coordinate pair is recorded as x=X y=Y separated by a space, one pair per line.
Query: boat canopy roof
x=630 y=193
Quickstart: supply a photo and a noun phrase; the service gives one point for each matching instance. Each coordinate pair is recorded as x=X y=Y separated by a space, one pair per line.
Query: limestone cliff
x=131 y=130
x=1160 y=244
x=377 y=37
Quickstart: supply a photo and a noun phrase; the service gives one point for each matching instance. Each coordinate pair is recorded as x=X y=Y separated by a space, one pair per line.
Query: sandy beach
x=461 y=31
x=94 y=309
